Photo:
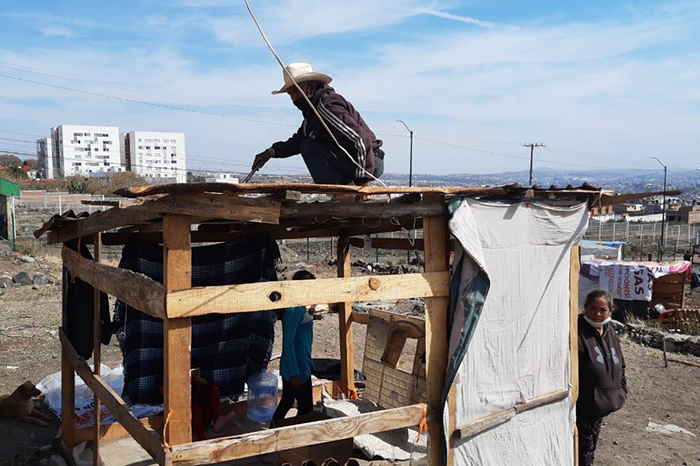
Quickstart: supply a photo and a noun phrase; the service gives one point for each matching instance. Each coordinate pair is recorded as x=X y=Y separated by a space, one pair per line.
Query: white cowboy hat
x=301 y=72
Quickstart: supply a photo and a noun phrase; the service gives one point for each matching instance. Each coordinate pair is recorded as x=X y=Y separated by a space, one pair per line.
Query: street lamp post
x=410 y=156
x=663 y=213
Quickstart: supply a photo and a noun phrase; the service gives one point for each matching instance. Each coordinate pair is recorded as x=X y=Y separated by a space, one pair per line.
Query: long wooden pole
x=177 y=333
x=436 y=339
x=347 y=353
x=573 y=335
x=96 y=355
x=67 y=377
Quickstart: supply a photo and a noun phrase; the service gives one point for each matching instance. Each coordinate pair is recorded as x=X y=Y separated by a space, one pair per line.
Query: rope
x=165 y=429
x=286 y=72
x=422 y=425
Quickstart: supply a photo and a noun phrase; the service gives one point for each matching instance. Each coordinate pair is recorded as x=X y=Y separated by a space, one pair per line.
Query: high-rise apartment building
x=46 y=159
x=159 y=157
x=86 y=151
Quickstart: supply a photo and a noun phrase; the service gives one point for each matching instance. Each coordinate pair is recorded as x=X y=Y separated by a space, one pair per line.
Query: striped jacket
x=347 y=125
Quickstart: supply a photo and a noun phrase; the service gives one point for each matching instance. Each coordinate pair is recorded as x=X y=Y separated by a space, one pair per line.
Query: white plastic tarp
x=520 y=345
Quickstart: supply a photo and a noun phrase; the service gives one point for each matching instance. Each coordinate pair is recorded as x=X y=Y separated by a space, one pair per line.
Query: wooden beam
x=222 y=206
x=284 y=438
x=435 y=233
x=116 y=431
x=146 y=437
x=96 y=354
x=99 y=221
x=363 y=210
x=574 y=267
x=277 y=232
x=481 y=425
x=177 y=332
x=67 y=374
x=305 y=188
x=252 y=297
x=133 y=288
x=394 y=243
x=347 y=353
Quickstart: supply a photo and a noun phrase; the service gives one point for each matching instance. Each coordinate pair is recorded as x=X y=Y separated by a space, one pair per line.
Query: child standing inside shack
x=296 y=362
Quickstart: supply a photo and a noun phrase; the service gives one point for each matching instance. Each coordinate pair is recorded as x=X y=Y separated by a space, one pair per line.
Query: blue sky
x=602 y=83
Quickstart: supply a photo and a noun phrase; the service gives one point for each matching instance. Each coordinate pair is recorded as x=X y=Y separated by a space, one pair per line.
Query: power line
x=42 y=72
x=142 y=102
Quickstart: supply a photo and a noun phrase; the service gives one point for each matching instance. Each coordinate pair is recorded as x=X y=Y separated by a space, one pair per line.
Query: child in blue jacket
x=296 y=363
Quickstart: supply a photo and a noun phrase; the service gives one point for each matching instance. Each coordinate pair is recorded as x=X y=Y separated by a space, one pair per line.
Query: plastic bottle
x=262 y=397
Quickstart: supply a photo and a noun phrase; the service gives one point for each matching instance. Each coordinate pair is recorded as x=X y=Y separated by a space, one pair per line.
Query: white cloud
x=600 y=87
x=460 y=18
x=60 y=31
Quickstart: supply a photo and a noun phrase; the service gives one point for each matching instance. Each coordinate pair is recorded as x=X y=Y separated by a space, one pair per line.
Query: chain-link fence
x=644 y=239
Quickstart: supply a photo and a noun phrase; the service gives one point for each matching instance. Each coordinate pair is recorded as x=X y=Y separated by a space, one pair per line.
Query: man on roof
x=361 y=161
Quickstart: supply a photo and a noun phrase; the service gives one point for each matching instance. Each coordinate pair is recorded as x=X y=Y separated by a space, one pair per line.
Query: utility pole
x=410 y=157
x=663 y=213
x=532 y=146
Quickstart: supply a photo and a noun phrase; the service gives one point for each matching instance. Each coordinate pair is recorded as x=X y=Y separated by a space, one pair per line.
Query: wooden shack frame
x=225 y=212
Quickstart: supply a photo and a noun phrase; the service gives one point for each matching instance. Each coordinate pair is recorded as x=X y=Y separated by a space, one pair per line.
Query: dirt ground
x=30 y=350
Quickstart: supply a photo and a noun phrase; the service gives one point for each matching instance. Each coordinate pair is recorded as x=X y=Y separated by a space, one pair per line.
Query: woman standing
x=602 y=382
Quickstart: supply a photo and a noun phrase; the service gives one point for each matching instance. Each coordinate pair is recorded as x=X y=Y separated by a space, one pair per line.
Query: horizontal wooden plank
x=491 y=421
x=262 y=296
x=305 y=188
x=393 y=243
x=284 y=438
x=145 y=436
x=256 y=210
x=133 y=288
x=97 y=222
x=363 y=210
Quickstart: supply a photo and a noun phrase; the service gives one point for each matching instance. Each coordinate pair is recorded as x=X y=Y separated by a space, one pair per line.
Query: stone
x=22 y=278
x=27 y=259
x=5 y=281
x=57 y=460
x=41 y=279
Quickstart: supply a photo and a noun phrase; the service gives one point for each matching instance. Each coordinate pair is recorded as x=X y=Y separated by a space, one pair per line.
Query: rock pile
x=654 y=337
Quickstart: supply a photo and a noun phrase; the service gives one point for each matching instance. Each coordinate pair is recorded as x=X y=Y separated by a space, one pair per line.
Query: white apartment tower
x=158 y=156
x=86 y=151
x=47 y=162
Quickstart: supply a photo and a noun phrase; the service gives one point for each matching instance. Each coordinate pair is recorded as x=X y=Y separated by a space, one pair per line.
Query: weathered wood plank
x=284 y=438
x=99 y=221
x=363 y=210
x=574 y=267
x=256 y=210
x=395 y=243
x=96 y=354
x=67 y=374
x=177 y=332
x=435 y=233
x=146 y=437
x=491 y=421
x=347 y=353
x=306 y=188
x=251 y=297
x=133 y=288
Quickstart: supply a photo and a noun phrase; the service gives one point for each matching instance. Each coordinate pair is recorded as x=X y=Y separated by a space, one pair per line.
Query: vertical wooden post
x=177 y=333
x=436 y=339
x=347 y=353
x=573 y=335
x=97 y=354
x=67 y=376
